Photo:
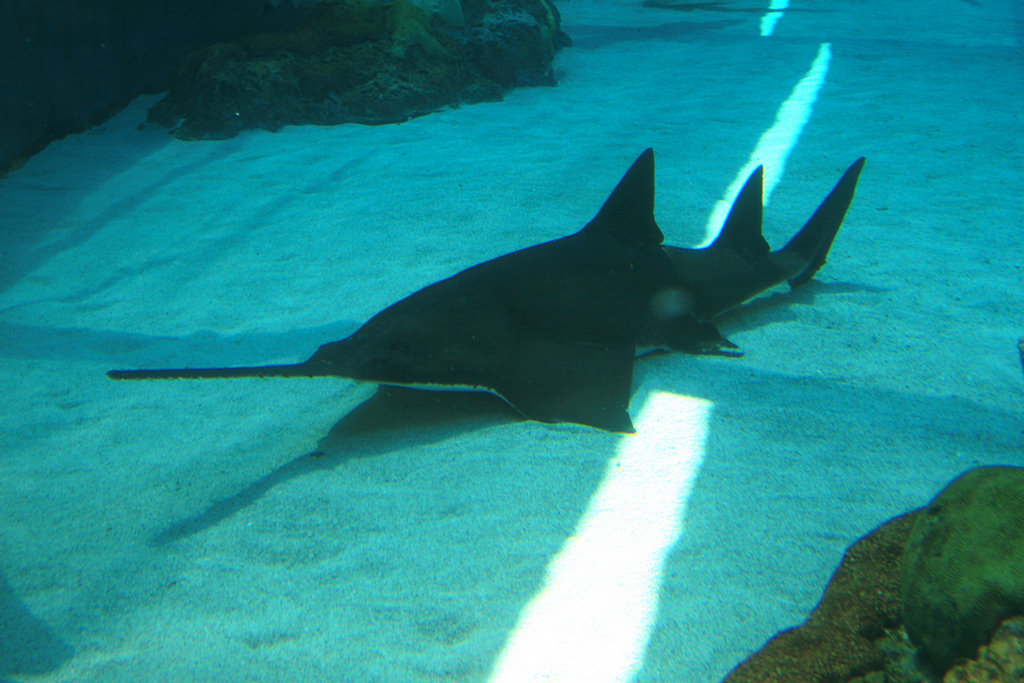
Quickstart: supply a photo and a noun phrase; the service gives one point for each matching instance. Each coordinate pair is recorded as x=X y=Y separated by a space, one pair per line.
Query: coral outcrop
x=363 y=61
x=963 y=567
x=845 y=635
x=933 y=596
x=1001 y=661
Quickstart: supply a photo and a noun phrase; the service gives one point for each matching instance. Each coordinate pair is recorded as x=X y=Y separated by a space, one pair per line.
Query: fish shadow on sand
x=27 y=645
x=392 y=419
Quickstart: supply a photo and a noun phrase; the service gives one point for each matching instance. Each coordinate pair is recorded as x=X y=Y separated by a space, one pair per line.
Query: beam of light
x=772 y=16
x=591 y=620
x=777 y=142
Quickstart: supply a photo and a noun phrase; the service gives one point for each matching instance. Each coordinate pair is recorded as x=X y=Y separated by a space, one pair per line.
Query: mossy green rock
x=962 y=570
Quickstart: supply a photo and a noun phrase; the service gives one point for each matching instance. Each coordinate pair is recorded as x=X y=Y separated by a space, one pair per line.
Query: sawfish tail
x=297 y=370
x=815 y=239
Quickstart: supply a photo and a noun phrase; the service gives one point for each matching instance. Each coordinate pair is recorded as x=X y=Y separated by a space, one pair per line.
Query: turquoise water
x=271 y=530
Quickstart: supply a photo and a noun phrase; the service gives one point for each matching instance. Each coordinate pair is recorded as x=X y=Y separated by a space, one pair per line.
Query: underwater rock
x=946 y=574
x=963 y=567
x=363 y=61
x=845 y=636
x=449 y=10
x=1001 y=661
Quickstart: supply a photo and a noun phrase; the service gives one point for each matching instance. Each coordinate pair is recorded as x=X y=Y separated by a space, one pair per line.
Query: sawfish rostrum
x=553 y=329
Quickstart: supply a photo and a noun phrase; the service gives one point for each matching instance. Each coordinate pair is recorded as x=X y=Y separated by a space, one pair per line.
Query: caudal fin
x=812 y=243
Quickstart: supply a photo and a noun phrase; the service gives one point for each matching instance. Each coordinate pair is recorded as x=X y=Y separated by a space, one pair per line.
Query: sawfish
x=554 y=329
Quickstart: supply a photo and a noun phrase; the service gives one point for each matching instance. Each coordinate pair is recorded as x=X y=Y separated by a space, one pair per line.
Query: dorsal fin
x=628 y=213
x=742 y=230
